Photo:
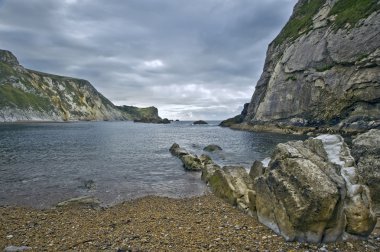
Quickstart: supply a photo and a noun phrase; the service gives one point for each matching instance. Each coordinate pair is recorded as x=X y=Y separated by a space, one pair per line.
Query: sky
x=192 y=59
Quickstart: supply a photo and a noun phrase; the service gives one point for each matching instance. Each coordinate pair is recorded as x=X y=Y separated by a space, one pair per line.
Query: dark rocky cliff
x=322 y=72
x=28 y=95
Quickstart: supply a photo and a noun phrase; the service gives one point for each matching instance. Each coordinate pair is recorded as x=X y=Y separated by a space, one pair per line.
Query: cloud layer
x=196 y=59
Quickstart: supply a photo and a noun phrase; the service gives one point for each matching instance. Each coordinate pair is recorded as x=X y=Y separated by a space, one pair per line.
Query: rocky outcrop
x=366 y=150
x=311 y=192
x=27 y=95
x=237 y=119
x=199 y=122
x=307 y=191
x=143 y=115
x=322 y=72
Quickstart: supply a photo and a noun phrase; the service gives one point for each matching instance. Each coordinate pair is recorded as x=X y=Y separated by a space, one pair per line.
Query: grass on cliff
x=17 y=98
x=346 y=11
x=300 y=22
x=351 y=11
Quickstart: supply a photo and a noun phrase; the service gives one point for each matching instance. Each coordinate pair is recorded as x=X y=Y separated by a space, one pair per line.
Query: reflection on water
x=42 y=164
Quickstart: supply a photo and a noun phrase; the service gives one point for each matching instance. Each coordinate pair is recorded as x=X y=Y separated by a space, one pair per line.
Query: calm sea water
x=42 y=164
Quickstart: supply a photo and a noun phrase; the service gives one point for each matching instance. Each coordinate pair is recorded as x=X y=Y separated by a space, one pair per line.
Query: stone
x=311 y=192
x=257 y=169
x=81 y=202
x=177 y=151
x=366 y=150
x=191 y=162
x=232 y=183
x=16 y=249
x=212 y=148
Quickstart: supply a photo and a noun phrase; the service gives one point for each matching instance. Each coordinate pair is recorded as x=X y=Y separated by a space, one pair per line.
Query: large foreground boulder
x=233 y=184
x=311 y=192
x=366 y=150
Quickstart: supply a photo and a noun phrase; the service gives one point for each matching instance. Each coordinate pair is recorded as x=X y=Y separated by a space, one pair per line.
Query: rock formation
x=143 y=115
x=366 y=150
x=322 y=71
x=311 y=192
x=231 y=183
x=27 y=95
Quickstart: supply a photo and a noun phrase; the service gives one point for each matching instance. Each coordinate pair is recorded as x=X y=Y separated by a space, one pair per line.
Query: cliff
x=322 y=71
x=28 y=95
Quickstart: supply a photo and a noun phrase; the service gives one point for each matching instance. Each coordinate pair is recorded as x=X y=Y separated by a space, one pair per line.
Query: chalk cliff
x=28 y=95
x=322 y=72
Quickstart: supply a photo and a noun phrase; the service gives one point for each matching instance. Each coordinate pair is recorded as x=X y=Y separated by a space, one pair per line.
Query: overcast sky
x=193 y=59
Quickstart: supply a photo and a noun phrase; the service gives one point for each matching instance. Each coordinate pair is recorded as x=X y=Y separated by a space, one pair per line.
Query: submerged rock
x=311 y=192
x=81 y=202
x=212 y=148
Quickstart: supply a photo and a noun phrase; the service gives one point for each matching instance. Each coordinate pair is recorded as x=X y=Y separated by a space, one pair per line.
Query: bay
x=42 y=164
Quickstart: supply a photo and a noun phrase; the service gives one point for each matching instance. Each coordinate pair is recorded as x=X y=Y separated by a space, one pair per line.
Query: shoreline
x=293 y=130
x=151 y=223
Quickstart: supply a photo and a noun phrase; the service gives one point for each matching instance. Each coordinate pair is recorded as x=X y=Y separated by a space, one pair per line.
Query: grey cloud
x=206 y=54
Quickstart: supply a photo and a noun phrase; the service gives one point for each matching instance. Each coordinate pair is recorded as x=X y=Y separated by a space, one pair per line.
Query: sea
x=42 y=164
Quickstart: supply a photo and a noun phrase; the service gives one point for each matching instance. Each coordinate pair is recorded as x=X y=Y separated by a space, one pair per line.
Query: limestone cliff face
x=27 y=95
x=323 y=69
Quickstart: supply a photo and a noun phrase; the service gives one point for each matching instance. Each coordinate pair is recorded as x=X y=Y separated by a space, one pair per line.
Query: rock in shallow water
x=212 y=148
x=81 y=202
x=191 y=162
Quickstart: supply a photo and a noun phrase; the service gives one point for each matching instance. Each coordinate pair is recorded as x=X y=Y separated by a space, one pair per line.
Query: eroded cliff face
x=27 y=95
x=323 y=69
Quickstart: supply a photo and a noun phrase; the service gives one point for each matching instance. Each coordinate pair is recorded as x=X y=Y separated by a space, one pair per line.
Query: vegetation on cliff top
x=351 y=11
x=345 y=12
x=14 y=97
x=300 y=22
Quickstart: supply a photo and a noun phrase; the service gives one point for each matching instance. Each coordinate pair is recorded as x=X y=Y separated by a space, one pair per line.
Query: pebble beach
x=204 y=223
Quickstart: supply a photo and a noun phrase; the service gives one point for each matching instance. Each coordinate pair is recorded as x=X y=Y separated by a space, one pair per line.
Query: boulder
x=366 y=151
x=311 y=192
x=191 y=162
x=232 y=183
x=257 y=169
x=212 y=148
x=177 y=151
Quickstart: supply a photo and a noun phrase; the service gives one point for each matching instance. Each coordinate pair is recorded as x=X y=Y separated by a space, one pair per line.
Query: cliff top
x=340 y=13
x=8 y=57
